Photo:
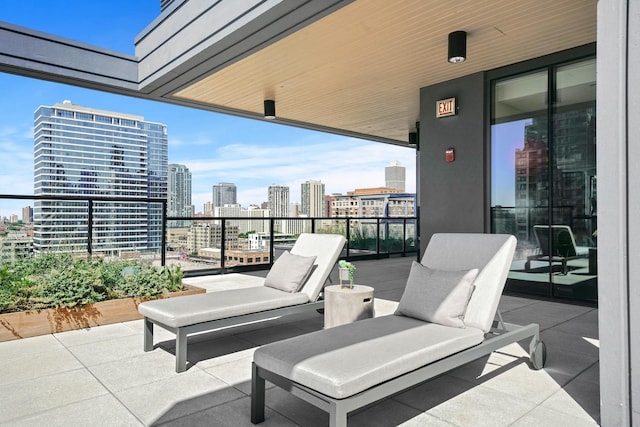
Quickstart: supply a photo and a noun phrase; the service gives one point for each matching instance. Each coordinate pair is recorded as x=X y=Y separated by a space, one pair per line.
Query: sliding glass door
x=543 y=177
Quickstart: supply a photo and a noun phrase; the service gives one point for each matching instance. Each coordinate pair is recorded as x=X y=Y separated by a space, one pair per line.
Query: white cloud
x=342 y=164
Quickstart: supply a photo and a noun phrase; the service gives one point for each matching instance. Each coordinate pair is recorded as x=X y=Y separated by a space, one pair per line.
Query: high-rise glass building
x=224 y=193
x=179 y=194
x=312 y=198
x=395 y=176
x=84 y=152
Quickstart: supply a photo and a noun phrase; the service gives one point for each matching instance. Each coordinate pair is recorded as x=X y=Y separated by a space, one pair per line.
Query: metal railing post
x=404 y=236
x=223 y=242
x=378 y=236
x=163 y=238
x=90 y=230
x=348 y=234
x=271 y=240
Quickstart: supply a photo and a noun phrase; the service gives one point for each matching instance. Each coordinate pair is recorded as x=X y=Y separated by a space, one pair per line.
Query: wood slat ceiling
x=361 y=68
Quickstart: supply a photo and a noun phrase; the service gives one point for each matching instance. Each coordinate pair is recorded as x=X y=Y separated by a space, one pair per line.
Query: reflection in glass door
x=574 y=179
x=543 y=178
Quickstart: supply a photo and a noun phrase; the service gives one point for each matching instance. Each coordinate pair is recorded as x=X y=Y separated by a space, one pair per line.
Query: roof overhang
x=353 y=67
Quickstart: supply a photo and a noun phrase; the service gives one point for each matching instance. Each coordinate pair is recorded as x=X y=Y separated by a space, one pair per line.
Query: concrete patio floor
x=102 y=377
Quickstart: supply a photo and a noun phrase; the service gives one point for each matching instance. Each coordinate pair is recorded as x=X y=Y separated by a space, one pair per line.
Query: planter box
x=25 y=324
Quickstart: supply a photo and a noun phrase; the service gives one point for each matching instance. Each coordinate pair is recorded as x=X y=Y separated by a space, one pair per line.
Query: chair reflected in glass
x=562 y=249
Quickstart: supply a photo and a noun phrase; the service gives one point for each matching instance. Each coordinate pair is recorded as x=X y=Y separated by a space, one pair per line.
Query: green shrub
x=58 y=280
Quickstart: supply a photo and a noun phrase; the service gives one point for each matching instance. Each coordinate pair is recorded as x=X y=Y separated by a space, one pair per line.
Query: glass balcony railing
x=134 y=228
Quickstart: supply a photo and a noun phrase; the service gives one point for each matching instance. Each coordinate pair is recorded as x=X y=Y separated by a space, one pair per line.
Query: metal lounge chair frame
x=176 y=314
x=498 y=335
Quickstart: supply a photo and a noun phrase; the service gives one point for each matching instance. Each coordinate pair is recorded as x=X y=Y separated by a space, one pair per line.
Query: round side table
x=346 y=305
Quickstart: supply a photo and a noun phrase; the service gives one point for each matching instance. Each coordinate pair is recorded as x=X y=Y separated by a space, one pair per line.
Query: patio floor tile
x=541 y=416
x=40 y=394
x=546 y=314
x=27 y=347
x=236 y=374
x=176 y=397
x=220 y=352
x=524 y=383
x=110 y=350
x=37 y=365
x=481 y=406
x=101 y=411
x=232 y=414
x=135 y=371
x=387 y=413
x=585 y=325
x=580 y=399
x=90 y=335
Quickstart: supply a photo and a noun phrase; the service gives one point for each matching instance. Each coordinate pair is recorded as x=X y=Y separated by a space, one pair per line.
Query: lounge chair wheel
x=538 y=356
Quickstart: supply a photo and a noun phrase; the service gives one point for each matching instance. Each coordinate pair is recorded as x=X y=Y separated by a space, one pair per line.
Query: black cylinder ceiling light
x=457 y=46
x=269 y=109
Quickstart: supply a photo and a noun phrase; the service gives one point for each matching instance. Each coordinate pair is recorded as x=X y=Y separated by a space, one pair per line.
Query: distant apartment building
x=278 y=198
x=85 y=152
x=15 y=246
x=295 y=225
x=206 y=235
x=312 y=195
x=231 y=210
x=364 y=203
x=224 y=193
x=295 y=209
x=328 y=199
x=208 y=209
x=179 y=194
x=177 y=239
x=27 y=214
x=262 y=240
x=395 y=176
x=257 y=219
x=246 y=257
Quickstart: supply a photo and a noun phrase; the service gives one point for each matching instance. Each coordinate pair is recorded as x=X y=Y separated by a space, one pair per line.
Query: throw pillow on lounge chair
x=437 y=296
x=289 y=272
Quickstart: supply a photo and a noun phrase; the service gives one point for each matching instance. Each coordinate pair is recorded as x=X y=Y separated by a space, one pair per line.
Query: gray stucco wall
x=453 y=195
x=618 y=124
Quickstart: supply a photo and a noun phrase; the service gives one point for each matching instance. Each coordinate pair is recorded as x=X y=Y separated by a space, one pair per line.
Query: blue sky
x=215 y=147
x=506 y=138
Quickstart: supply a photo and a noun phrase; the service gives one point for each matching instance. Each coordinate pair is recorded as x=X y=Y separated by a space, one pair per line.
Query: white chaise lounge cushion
x=340 y=362
x=289 y=272
x=437 y=296
x=192 y=309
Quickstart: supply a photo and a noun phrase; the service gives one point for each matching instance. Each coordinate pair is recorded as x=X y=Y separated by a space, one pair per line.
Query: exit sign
x=446 y=107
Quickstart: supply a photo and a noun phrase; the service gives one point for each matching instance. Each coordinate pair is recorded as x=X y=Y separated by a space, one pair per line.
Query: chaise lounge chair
x=293 y=285
x=563 y=247
x=436 y=328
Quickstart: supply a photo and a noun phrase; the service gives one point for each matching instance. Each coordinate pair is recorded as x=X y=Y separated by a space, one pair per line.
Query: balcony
x=101 y=376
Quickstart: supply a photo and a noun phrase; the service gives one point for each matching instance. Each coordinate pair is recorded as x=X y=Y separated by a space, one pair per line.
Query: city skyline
x=215 y=147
